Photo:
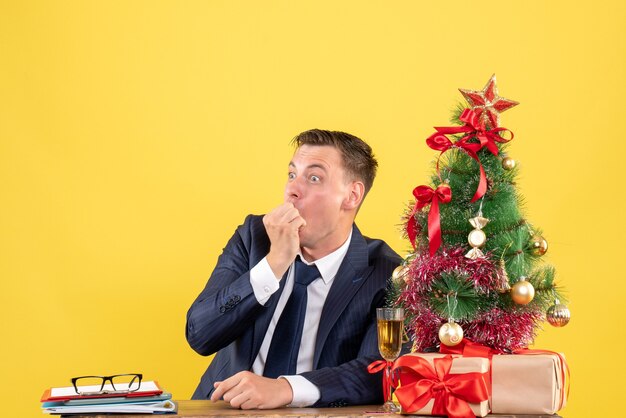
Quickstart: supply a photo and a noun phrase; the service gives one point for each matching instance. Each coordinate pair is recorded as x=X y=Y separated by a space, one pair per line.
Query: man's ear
x=355 y=197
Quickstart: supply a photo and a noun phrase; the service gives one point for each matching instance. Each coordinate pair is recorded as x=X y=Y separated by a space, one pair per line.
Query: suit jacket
x=227 y=319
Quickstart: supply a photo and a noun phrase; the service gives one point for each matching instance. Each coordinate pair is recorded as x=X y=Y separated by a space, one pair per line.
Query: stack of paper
x=149 y=399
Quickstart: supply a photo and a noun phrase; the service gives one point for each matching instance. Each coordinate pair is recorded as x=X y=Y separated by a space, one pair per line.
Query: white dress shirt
x=265 y=284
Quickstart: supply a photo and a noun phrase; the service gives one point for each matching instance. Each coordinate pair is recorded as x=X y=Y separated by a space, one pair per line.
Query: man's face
x=318 y=187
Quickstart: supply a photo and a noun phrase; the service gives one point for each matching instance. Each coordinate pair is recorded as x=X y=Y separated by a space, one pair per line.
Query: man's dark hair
x=357 y=156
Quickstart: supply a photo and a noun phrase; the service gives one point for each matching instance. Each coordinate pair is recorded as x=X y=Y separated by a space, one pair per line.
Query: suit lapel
x=351 y=275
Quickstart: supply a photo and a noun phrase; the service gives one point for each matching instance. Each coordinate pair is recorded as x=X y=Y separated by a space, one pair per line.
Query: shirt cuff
x=263 y=281
x=305 y=393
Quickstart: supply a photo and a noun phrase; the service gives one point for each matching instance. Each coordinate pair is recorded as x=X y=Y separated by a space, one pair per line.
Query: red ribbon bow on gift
x=473 y=128
x=468 y=348
x=425 y=195
x=420 y=383
x=388 y=378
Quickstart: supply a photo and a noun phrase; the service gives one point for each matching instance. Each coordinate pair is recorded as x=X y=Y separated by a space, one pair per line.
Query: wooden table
x=194 y=409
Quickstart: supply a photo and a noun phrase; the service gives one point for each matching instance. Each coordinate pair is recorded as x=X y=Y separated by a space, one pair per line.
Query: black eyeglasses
x=96 y=385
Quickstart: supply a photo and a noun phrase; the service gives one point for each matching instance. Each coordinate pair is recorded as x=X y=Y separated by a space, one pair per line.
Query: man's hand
x=282 y=225
x=247 y=390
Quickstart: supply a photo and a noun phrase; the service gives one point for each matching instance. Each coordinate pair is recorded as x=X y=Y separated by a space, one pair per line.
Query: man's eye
x=291 y=176
x=315 y=179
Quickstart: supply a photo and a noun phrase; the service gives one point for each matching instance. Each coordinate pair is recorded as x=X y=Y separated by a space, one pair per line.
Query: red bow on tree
x=473 y=128
x=425 y=195
x=420 y=383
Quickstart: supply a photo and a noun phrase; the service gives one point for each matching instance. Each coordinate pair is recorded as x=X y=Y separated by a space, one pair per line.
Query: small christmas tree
x=476 y=270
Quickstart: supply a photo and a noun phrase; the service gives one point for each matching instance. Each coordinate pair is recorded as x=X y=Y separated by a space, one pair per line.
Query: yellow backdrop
x=136 y=135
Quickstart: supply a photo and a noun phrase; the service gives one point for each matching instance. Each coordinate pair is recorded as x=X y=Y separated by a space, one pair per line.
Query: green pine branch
x=454 y=296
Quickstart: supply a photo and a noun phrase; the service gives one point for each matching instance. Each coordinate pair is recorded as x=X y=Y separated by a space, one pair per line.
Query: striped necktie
x=282 y=356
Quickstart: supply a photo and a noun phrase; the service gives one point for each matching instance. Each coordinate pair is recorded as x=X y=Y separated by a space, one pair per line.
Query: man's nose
x=293 y=190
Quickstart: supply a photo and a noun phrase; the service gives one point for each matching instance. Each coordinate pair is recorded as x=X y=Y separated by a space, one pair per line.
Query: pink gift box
x=528 y=383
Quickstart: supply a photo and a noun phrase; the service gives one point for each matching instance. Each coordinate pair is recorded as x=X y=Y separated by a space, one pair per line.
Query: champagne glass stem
x=389 y=405
x=389 y=381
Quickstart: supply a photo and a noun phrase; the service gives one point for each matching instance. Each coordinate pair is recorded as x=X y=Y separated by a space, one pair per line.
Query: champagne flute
x=390 y=330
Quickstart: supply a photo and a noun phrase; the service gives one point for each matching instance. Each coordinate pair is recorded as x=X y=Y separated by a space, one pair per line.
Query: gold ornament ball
x=522 y=292
x=508 y=163
x=476 y=238
x=450 y=334
x=538 y=245
x=399 y=273
x=558 y=315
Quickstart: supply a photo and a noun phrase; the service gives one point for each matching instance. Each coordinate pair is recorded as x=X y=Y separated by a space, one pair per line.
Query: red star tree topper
x=487 y=104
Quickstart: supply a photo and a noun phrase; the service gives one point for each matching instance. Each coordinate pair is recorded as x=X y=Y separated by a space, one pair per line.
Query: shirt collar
x=329 y=264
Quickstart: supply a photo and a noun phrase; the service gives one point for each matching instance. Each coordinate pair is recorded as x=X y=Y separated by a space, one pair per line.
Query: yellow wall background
x=136 y=135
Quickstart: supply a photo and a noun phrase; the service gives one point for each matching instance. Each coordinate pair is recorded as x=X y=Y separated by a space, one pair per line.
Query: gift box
x=439 y=384
x=528 y=383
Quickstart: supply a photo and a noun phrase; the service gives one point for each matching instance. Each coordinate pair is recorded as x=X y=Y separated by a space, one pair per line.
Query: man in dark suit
x=239 y=314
